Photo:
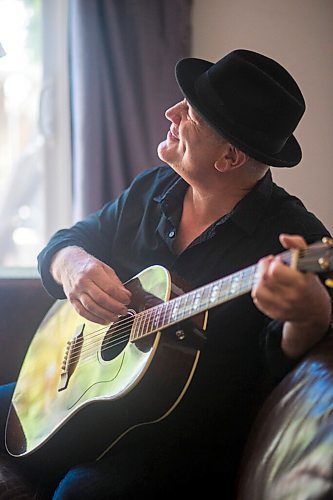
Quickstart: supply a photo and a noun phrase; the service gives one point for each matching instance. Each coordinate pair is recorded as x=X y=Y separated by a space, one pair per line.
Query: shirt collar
x=246 y=214
x=249 y=211
x=171 y=198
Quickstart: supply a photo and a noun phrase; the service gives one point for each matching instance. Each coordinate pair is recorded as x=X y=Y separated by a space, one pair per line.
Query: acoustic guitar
x=82 y=383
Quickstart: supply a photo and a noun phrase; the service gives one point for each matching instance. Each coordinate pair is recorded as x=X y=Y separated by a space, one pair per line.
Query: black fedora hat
x=250 y=99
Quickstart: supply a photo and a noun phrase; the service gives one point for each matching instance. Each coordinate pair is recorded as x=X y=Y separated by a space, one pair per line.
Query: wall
x=299 y=34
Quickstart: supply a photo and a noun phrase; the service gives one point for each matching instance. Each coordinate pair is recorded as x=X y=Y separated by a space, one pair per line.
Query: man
x=210 y=211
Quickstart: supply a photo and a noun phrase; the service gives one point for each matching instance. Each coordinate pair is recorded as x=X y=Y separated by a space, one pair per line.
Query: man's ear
x=231 y=158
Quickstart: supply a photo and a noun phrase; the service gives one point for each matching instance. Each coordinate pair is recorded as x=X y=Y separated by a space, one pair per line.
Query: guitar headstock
x=318 y=258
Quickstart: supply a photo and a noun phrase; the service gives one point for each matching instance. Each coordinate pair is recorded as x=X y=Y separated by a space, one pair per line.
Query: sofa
x=23 y=302
x=289 y=453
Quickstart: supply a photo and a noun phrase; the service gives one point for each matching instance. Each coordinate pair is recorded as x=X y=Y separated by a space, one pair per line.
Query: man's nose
x=174 y=113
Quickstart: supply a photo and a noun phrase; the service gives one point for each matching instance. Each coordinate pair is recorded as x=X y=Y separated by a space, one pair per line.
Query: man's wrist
x=59 y=259
x=298 y=338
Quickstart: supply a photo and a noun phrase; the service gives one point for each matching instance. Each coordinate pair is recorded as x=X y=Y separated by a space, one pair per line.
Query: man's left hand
x=299 y=299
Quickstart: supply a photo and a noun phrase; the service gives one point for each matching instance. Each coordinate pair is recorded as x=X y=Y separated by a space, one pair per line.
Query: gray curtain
x=122 y=58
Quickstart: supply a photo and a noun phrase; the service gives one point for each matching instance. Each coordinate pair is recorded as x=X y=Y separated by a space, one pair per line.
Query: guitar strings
x=123 y=337
x=85 y=350
x=120 y=333
x=84 y=347
x=90 y=348
x=119 y=329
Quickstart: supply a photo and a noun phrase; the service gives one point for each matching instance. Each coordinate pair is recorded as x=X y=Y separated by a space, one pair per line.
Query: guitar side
x=98 y=399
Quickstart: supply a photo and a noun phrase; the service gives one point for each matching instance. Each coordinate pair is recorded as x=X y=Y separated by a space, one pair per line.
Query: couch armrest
x=23 y=303
x=289 y=453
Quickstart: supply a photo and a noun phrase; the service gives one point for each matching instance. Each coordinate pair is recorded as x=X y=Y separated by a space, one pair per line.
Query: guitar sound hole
x=117 y=337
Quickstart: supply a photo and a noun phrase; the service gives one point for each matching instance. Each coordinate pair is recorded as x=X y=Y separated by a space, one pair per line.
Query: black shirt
x=138 y=230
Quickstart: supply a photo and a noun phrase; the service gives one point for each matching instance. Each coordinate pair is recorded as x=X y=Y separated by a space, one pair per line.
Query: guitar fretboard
x=317 y=258
x=192 y=303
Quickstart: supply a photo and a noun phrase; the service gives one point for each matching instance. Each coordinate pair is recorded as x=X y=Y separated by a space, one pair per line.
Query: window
x=35 y=191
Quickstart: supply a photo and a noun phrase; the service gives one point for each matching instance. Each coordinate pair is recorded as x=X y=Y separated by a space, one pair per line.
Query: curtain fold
x=122 y=58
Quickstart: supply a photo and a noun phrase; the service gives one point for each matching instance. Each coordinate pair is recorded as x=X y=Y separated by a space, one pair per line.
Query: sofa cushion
x=289 y=454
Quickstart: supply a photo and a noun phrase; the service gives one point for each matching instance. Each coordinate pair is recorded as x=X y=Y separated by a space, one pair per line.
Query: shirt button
x=172 y=234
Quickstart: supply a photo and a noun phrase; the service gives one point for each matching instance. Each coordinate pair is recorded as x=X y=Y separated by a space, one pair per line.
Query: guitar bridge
x=71 y=358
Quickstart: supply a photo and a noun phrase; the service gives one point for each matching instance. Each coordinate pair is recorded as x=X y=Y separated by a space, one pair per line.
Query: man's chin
x=162 y=151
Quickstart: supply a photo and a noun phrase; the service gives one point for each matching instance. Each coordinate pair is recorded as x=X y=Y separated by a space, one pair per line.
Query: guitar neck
x=316 y=258
x=193 y=303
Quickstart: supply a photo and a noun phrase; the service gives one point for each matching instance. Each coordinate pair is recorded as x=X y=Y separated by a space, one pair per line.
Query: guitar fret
x=143 y=325
x=169 y=311
x=175 y=310
x=152 y=321
x=147 y=322
x=205 y=296
x=184 y=303
x=214 y=293
x=156 y=321
x=136 y=327
x=196 y=300
x=164 y=319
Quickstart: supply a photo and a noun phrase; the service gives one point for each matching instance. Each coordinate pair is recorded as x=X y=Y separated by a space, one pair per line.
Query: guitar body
x=83 y=386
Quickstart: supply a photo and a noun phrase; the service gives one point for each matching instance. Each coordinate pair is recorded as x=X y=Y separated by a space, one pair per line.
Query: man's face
x=192 y=146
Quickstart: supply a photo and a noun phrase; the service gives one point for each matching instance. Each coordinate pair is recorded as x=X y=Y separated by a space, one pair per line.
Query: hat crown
x=250 y=99
x=255 y=90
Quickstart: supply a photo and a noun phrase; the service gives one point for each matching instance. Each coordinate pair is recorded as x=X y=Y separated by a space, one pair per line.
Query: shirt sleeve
x=99 y=233
x=94 y=234
x=278 y=363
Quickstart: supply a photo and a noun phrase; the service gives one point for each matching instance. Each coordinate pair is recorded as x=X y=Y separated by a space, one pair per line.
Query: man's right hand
x=92 y=287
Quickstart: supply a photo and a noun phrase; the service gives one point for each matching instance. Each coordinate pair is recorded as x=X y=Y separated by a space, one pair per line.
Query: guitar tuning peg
x=327 y=241
x=329 y=282
x=324 y=263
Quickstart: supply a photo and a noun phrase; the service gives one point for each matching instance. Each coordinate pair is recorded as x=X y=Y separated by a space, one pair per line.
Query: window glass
x=21 y=145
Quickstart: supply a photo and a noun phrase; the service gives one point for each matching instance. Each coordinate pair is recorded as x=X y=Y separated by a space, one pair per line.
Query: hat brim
x=187 y=71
